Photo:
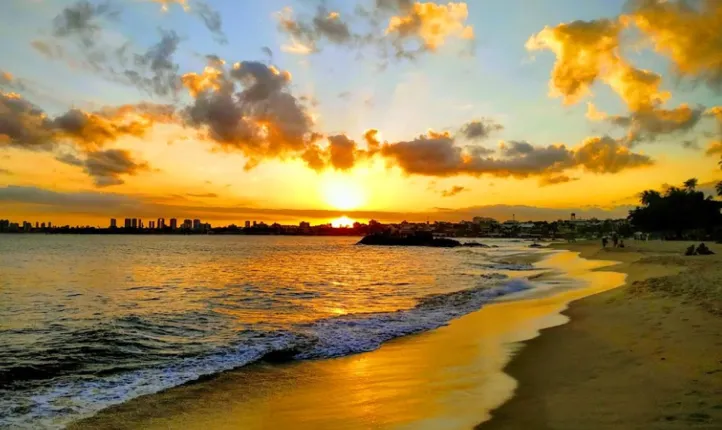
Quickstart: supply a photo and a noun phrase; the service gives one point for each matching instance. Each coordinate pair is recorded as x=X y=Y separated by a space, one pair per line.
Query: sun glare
x=343 y=194
x=343 y=221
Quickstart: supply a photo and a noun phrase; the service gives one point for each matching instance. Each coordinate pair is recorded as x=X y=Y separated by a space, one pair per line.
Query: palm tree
x=718 y=187
x=690 y=184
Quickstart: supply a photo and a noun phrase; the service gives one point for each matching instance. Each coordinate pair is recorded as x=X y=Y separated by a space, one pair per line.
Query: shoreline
x=387 y=387
x=645 y=355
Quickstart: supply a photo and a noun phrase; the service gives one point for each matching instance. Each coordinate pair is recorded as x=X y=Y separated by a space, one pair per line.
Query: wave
x=72 y=397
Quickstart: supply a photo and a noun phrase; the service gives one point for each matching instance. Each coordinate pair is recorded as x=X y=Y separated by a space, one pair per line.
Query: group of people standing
x=617 y=242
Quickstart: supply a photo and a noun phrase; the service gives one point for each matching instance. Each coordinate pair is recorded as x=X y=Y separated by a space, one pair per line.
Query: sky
x=283 y=110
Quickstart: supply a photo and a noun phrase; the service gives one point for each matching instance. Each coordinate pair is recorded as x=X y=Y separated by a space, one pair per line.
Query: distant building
x=42 y=225
x=254 y=223
x=27 y=226
x=304 y=225
x=187 y=224
x=248 y=224
x=128 y=223
x=134 y=223
x=196 y=224
x=173 y=223
x=161 y=223
x=50 y=224
x=151 y=225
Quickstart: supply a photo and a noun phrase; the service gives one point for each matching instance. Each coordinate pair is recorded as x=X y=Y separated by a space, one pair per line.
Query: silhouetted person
x=615 y=239
x=604 y=242
x=621 y=243
x=703 y=250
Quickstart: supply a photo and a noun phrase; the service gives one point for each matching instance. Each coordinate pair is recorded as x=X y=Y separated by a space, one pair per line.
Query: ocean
x=91 y=321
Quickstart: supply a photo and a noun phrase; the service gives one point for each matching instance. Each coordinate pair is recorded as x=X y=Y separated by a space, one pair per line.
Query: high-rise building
x=161 y=223
x=37 y=224
x=248 y=224
x=254 y=223
x=173 y=223
x=151 y=225
x=196 y=224
x=134 y=223
x=128 y=223
x=187 y=224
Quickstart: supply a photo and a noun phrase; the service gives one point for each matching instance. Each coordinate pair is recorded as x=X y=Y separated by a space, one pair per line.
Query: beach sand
x=448 y=378
x=645 y=356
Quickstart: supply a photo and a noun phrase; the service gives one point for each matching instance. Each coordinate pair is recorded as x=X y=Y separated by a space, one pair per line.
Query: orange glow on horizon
x=343 y=221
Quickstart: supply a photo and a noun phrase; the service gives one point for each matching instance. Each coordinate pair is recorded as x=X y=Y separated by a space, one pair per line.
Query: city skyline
x=388 y=109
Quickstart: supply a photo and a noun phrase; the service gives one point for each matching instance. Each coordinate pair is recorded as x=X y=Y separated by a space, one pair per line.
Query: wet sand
x=645 y=356
x=447 y=378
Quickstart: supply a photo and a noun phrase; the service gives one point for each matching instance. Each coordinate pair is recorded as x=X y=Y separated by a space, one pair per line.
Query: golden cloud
x=432 y=24
x=687 y=33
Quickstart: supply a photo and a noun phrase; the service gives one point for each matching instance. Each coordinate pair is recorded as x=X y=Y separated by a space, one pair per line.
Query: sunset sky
x=283 y=110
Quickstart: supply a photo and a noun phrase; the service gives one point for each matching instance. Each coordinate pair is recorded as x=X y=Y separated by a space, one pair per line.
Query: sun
x=343 y=221
x=343 y=194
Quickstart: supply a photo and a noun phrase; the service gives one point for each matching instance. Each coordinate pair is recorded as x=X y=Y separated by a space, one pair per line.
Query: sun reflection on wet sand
x=447 y=378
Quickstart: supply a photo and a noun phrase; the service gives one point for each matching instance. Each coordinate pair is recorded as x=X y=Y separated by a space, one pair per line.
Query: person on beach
x=604 y=241
x=615 y=239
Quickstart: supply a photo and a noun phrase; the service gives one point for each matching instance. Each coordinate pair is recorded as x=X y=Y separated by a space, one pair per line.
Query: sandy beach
x=647 y=355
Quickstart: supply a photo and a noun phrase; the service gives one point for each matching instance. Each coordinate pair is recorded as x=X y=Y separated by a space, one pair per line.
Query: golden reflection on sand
x=448 y=378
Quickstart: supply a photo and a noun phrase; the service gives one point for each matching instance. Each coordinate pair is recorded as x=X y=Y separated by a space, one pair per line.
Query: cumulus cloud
x=342 y=152
x=427 y=24
x=106 y=167
x=437 y=155
x=648 y=125
x=451 y=192
x=480 y=129
x=249 y=107
x=25 y=125
x=589 y=51
x=306 y=35
x=684 y=31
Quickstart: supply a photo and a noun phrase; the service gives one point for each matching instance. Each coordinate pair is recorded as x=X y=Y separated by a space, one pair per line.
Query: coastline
x=435 y=379
x=646 y=355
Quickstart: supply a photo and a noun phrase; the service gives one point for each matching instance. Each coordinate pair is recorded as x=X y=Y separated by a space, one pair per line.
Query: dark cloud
x=480 y=129
x=212 y=20
x=25 y=125
x=203 y=195
x=269 y=53
x=83 y=20
x=155 y=72
x=650 y=124
x=306 y=35
x=249 y=108
x=554 y=180
x=607 y=155
x=456 y=189
x=437 y=155
x=106 y=167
